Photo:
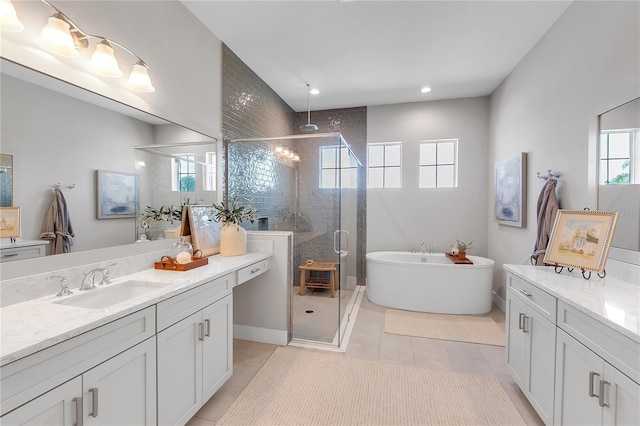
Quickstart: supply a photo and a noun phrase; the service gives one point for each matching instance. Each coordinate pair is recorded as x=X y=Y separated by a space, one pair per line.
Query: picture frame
x=198 y=221
x=511 y=191
x=9 y=222
x=116 y=195
x=581 y=239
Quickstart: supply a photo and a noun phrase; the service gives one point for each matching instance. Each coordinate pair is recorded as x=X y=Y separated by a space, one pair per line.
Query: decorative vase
x=233 y=240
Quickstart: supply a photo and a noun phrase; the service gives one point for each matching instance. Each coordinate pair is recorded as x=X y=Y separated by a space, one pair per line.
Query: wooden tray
x=169 y=264
x=455 y=259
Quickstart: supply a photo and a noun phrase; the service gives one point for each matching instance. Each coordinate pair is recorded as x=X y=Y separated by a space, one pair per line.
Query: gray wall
x=587 y=63
x=412 y=215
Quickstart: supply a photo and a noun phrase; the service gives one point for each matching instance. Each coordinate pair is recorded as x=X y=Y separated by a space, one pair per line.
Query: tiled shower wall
x=251 y=109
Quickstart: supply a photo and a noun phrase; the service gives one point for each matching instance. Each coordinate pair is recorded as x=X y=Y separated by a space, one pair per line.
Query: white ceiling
x=364 y=53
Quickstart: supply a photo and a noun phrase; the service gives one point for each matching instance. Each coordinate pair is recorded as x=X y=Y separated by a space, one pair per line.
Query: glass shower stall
x=306 y=184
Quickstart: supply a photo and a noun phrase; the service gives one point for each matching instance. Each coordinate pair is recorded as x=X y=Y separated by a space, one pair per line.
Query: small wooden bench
x=306 y=280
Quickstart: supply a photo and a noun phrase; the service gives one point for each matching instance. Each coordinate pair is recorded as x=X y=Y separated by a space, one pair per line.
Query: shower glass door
x=306 y=184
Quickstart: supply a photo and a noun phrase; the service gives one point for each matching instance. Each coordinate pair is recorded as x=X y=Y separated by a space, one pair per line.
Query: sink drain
x=309 y=311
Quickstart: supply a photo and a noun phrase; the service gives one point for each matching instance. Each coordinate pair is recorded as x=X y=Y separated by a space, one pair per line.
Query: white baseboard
x=259 y=334
x=499 y=301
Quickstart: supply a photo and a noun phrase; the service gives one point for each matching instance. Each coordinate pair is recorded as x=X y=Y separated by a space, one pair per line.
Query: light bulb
x=139 y=78
x=104 y=62
x=278 y=149
x=58 y=38
x=8 y=18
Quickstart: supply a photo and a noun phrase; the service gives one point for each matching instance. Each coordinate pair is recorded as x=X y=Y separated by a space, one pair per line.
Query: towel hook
x=70 y=186
x=548 y=175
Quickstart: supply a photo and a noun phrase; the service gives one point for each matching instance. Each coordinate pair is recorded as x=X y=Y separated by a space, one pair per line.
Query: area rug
x=306 y=387
x=463 y=328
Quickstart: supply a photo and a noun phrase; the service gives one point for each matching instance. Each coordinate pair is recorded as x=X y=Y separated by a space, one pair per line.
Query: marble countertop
x=611 y=301
x=36 y=324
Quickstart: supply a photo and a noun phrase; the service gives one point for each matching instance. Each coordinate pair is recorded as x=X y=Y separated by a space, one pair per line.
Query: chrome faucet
x=412 y=248
x=432 y=248
x=423 y=248
x=64 y=287
x=89 y=280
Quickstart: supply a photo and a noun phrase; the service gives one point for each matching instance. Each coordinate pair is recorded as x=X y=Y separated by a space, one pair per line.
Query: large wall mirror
x=58 y=133
x=619 y=172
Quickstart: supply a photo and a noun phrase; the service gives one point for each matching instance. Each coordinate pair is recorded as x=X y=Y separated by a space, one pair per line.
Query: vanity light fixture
x=8 y=19
x=286 y=156
x=63 y=37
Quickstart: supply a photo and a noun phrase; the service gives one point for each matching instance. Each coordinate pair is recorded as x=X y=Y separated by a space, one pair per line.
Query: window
x=618 y=149
x=209 y=171
x=438 y=163
x=183 y=171
x=337 y=166
x=384 y=165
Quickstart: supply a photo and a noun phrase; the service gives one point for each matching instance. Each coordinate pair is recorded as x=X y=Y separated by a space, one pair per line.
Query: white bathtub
x=403 y=280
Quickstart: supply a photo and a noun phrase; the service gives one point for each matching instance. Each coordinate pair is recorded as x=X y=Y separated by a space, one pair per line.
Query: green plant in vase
x=233 y=237
x=462 y=248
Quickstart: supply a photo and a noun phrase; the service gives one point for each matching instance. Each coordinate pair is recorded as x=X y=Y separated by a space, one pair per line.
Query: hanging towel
x=57 y=225
x=547 y=208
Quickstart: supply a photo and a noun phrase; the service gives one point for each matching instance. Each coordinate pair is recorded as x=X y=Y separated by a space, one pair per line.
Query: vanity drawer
x=20 y=253
x=539 y=300
x=33 y=375
x=253 y=270
x=178 y=307
x=619 y=350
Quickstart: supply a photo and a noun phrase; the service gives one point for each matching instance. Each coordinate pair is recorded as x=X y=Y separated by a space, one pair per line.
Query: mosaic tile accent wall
x=287 y=196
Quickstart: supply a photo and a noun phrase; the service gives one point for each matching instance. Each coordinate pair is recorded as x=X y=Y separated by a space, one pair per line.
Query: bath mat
x=306 y=387
x=462 y=328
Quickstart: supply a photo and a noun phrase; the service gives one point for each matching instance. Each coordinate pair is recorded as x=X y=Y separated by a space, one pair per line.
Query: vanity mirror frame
x=615 y=253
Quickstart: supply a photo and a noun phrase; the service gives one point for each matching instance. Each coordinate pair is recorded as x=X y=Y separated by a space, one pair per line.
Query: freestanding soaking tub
x=429 y=282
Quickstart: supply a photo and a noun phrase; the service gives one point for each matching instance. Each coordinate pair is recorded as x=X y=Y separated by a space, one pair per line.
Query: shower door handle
x=336 y=244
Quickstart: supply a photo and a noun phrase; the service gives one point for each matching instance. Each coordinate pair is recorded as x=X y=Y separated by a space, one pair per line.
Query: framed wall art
x=511 y=191
x=117 y=194
x=204 y=230
x=581 y=239
x=9 y=222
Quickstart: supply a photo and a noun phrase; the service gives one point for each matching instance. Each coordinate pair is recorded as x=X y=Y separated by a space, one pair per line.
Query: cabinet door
x=578 y=370
x=623 y=397
x=217 y=346
x=122 y=390
x=541 y=360
x=180 y=371
x=515 y=348
x=56 y=407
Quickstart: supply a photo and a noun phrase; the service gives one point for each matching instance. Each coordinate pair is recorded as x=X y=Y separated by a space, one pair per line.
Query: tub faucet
x=432 y=248
x=412 y=248
x=423 y=248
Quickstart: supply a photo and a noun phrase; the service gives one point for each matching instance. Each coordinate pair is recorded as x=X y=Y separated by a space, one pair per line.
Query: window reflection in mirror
x=619 y=171
x=6 y=180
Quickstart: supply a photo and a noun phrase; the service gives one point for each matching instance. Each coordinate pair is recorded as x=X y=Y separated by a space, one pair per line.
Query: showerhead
x=308 y=128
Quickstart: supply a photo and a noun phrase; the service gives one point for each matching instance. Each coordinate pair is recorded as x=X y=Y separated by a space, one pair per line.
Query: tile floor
x=368 y=341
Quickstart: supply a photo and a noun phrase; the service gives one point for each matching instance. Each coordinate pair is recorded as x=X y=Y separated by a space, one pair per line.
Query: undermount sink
x=111 y=294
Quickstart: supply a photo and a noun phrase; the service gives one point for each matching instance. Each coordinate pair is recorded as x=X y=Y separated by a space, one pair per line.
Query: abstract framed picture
x=511 y=191
x=9 y=222
x=117 y=195
x=581 y=239
x=205 y=232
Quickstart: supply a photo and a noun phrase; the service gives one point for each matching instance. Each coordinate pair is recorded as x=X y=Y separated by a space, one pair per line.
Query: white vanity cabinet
x=531 y=339
x=104 y=380
x=22 y=249
x=573 y=346
x=195 y=354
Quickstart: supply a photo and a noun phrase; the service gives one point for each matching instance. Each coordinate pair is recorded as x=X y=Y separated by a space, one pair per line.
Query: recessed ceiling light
x=425 y=89
x=314 y=92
